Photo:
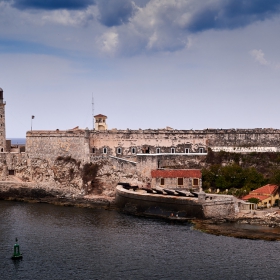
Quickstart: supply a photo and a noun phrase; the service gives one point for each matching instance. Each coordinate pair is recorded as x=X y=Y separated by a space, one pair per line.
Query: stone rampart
x=51 y=144
x=132 y=142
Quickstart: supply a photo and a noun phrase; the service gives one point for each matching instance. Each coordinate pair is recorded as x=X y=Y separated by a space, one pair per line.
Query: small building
x=267 y=195
x=100 y=122
x=189 y=179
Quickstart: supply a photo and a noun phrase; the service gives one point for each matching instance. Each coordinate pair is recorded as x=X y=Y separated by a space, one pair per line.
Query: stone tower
x=2 y=123
x=100 y=122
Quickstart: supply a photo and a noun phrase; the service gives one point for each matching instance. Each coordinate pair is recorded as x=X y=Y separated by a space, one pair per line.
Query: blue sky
x=187 y=64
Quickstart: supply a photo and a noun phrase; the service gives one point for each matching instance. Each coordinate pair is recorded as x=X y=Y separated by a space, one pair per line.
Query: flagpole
x=32 y=117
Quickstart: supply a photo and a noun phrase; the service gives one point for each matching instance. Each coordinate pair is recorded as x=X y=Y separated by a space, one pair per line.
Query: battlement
x=55 y=133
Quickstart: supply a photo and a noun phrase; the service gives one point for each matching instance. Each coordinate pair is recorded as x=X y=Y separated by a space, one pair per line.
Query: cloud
x=258 y=55
x=166 y=25
x=141 y=25
x=231 y=14
x=70 y=18
x=108 y=42
x=115 y=12
x=52 y=4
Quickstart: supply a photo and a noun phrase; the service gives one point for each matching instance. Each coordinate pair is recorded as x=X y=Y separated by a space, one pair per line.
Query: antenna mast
x=92 y=103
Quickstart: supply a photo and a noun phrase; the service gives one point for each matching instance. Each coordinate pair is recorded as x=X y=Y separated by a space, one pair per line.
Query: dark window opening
x=11 y=172
x=158 y=150
x=104 y=150
x=146 y=150
x=2 y=150
x=162 y=182
x=173 y=150
x=187 y=150
x=133 y=151
x=119 y=150
x=93 y=150
x=180 y=182
x=201 y=150
x=195 y=182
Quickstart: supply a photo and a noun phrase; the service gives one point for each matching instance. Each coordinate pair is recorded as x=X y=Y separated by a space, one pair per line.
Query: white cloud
x=258 y=55
x=108 y=42
x=70 y=18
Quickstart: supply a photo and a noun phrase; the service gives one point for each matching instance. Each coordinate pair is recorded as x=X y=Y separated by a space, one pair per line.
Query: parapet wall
x=258 y=137
x=84 y=144
x=132 y=142
x=51 y=144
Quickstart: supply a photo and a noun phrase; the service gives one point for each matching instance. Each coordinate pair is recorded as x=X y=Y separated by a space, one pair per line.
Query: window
x=162 y=181
x=172 y=150
x=187 y=150
x=11 y=172
x=195 y=182
x=180 y=182
x=146 y=150
x=201 y=150
x=158 y=150
x=93 y=150
x=104 y=150
x=133 y=151
x=119 y=150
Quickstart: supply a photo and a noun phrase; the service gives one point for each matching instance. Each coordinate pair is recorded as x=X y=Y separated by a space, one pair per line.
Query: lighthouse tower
x=2 y=123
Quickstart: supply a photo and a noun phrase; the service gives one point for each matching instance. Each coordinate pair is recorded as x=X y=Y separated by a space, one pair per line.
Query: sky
x=186 y=64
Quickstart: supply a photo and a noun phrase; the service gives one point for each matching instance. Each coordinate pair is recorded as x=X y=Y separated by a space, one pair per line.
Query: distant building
x=100 y=122
x=268 y=195
x=177 y=178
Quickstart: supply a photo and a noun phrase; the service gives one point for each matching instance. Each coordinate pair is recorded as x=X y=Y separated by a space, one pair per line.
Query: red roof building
x=267 y=195
x=177 y=178
x=175 y=173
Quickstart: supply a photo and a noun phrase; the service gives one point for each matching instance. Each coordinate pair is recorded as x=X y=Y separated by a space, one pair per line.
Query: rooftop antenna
x=92 y=103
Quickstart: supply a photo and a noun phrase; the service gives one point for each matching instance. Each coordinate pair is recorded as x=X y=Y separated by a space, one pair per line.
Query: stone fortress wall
x=51 y=144
x=131 y=144
x=132 y=154
x=123 y=155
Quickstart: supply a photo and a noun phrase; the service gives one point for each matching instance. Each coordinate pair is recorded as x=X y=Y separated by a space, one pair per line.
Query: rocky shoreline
x=34 y=193
x=254 y=232
x=253 y=225
x=264 y=225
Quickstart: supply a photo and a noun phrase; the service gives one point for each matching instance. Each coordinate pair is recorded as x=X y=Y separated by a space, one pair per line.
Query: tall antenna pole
x=92 y=112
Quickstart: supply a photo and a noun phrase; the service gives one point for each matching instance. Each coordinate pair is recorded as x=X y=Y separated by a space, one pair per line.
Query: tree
x=254 y=200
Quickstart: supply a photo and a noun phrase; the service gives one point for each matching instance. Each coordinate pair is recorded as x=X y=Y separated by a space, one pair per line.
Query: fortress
x=50 y=157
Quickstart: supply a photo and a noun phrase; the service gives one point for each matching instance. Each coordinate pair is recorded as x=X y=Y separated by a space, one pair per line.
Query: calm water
x=73 y=243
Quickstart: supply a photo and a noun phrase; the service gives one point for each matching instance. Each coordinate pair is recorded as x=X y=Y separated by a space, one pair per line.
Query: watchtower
x=100 y=122
x=2 y=123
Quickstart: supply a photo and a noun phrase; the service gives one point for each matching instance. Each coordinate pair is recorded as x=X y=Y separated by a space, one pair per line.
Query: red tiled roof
x=266 y=190
x=176 y=173
x=262 y=192
x=100 y=116
x=260 y=197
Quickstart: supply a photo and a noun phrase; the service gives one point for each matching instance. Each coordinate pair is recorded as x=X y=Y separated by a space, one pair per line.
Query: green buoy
x=17 y=255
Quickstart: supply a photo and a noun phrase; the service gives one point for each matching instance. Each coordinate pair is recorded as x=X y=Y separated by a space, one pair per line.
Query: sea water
x=78 y=243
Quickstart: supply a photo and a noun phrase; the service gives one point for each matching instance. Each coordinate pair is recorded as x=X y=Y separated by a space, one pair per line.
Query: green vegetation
x=254 y=200
x=240 y=173
x=232 y=176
